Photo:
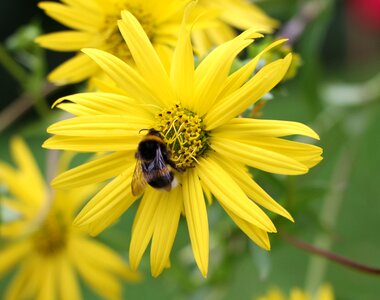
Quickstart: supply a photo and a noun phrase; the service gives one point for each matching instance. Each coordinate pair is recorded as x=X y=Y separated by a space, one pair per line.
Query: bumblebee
x=153 y=165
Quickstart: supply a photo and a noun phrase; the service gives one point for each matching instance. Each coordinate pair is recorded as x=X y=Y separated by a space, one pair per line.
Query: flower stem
x=328 y=216
x=12 y=66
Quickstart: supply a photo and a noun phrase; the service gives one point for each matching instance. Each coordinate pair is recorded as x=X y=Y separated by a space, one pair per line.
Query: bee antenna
x=144 y=129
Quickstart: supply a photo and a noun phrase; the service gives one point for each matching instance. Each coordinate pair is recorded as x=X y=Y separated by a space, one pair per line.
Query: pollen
x=51 y=237
x=184 y=135
x=114 y=39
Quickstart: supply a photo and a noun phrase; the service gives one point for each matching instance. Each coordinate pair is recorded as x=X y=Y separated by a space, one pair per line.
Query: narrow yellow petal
x=48 y=280
x=104 y=258
x=92 y=144
x=68 y=285
x=101 y=126
x=66 y=40
x=143 y=226
x=182 y=67
x=104 y=202
x=248 y=128
x=257 y=235
x=146 y=58
x=257 y=157
x=168 y=213
x=28 y=166
x=240 y=76
x=97 y=170
x=230 y=195
x=106 y=103
x=250 y=187
x=196 y=217
x=101 y=281
x=211 y=73
x=260 y=84
x=74 y=70
x=69 y=16
x=25 y=282
x=307 y=154
x=11 y=255
x=123 y=75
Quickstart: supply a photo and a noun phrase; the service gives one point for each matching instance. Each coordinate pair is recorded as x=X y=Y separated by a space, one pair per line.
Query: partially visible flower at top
x=93 y=24
x=233 y=15
x=193 y=113
x=47 y=252
x=325 y=292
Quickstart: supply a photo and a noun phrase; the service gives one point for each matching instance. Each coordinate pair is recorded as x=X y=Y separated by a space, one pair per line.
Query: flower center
x=115 y=41
x=51 y=237
x=184 y=135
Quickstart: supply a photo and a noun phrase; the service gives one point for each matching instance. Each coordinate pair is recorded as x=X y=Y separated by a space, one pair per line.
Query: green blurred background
x=336 y=206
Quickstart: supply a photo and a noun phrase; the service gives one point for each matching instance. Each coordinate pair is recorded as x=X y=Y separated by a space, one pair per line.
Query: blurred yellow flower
x=325 y=292
x=194 y=116
x=94 y=24
x=47 y=252
x=232 y=15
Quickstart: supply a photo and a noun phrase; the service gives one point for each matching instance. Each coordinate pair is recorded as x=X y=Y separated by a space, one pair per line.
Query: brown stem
x=21 y=105
x=330 y=255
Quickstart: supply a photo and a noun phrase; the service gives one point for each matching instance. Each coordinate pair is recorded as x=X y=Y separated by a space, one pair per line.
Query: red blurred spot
x=367 y=12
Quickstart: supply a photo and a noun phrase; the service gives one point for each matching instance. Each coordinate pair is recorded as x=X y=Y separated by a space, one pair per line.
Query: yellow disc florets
x=115 y=41
x=51 y=237
x=184 y=135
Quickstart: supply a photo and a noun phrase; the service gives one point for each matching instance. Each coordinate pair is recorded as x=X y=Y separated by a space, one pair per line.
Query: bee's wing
x=138 y=180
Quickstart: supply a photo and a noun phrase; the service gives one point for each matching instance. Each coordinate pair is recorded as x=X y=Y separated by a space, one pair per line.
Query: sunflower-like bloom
x=94 y=24
x=232 y=15
x=193 y=114
x=325 y=292
x=47 y=251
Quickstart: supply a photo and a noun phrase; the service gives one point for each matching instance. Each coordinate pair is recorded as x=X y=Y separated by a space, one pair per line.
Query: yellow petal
x=249 y=128
x=306 y=154
x=146 y=58
x=105 y=103
x=143 y=226
x=103 y=257
x=92 y=144
x=101 y=281
x=123 y=75
x=211 y=73
x=182 y=67
x=257 y=157
x=230 y=195
x=257 y=235
x=69 y=16
x=103 y=203
x=260 y=84
x=240 y=76
x=66 y=40
x=74 y=70
x=27 y=164
x=196 y=217
x=250 y=187
x=48 y=281
x=97 y=170
x=167 y=218
x=101 y=126
x=11 y=255
x=23 y=285
x=68 y=285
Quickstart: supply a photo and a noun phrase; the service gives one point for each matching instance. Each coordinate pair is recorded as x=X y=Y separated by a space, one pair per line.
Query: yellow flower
x=325 y=292
x=193 y=112
x=43 y=246
x=233 y=14
x=94 y=24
